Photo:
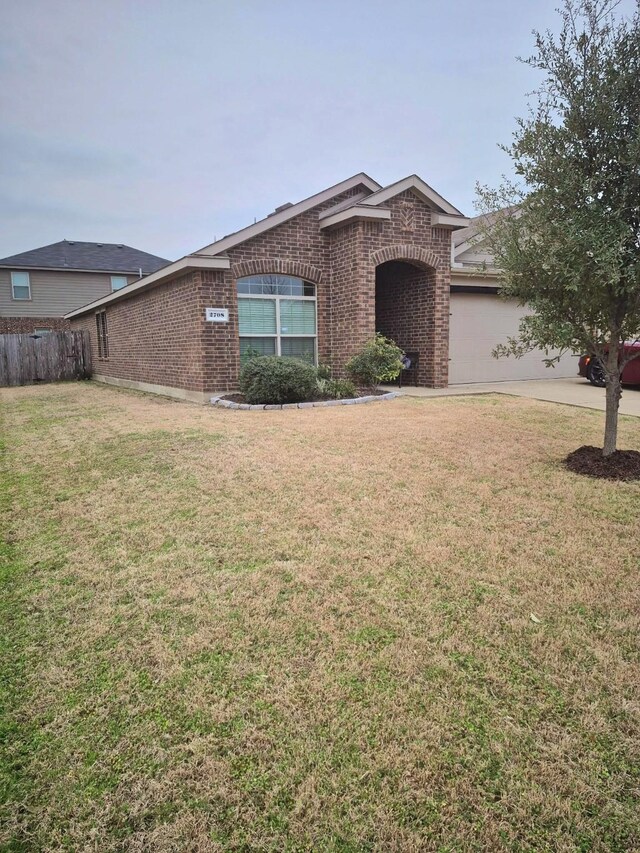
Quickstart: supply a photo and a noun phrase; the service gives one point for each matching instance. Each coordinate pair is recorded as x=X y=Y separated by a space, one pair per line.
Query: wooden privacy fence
x=53 y=357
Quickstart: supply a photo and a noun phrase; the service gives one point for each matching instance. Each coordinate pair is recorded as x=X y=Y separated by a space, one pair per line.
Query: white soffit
x=356 y=212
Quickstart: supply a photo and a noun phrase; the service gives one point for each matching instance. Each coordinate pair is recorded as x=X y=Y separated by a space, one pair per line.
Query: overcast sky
x=165 y=125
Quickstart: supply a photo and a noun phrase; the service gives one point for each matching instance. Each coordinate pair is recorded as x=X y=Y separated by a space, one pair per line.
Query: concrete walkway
x=572 y=392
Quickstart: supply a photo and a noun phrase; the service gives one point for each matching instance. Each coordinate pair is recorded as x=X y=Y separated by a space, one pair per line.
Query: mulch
x=621 y=465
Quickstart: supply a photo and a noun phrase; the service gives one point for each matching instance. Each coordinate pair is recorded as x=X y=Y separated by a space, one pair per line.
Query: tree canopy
x=566 y=233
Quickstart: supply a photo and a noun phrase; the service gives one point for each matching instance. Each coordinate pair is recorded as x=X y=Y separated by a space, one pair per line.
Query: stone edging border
x=319 y=404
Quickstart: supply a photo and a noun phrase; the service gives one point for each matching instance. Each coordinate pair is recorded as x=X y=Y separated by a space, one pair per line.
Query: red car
x=591 y=369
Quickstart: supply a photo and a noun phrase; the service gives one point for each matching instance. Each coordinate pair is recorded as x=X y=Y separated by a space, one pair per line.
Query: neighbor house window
x=42 y=331
x=20 y=285
x=102 y=334
x=118 y=282
x=277 y=316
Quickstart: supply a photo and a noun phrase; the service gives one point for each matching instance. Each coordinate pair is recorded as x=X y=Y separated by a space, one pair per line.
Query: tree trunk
x=613 y=394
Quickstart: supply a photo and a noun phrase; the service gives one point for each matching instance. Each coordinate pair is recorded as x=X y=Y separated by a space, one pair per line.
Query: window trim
x=277 y=298
x=14 y=285
x=102 y=335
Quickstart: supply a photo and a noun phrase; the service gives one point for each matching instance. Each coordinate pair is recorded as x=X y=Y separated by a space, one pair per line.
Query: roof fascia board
x=475 y=272
x=413 y=182
x=182 y=265
x=357 y=212
x=28 y=268
x=468 y=244
x=352 y=201
x=447 y=220
x=279 y=218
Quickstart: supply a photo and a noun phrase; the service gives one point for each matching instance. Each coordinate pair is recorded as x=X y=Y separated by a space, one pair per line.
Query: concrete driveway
x=573 y=392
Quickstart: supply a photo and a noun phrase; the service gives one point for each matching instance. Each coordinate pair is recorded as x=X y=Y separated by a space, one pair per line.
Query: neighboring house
x=314 y=280
x=480 y=319
x=39 y=287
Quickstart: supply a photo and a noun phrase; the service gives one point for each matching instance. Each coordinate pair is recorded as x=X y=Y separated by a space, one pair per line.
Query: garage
x=479 y=321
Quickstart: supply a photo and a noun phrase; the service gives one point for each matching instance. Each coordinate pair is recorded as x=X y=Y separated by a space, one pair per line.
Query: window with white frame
x=277 y=316
x=20 y=285
x=102 y=334
x=118 y=282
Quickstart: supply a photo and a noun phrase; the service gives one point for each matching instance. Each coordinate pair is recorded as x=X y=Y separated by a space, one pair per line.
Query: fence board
x=54 y=357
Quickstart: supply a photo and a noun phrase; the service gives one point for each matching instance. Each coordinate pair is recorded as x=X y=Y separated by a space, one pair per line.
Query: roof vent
x=283 y=207
x=99 y=245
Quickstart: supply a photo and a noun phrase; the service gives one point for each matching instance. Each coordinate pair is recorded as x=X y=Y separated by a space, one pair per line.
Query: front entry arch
x=405 y=312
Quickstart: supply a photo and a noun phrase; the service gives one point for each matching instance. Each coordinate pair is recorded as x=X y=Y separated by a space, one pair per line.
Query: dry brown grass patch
x=313 y=629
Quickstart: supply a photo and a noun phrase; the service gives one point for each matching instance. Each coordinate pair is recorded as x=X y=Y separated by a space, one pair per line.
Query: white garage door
x=478 y=323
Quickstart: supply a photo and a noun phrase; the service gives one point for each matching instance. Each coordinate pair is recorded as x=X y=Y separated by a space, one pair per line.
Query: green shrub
x=379 y=361
x=249 y=353
x=336 y=389
x=271 y=379
x=324 y=371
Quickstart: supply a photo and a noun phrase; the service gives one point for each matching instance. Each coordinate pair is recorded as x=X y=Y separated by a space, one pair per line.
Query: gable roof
x=90 y=257
x=373 y=206
x=368 y=203
x=231 y=240
x=420 y=188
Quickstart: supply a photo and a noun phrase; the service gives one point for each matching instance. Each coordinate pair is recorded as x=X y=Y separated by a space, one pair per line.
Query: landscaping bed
x=239 y=401
x=282 y=382
x=621 y=465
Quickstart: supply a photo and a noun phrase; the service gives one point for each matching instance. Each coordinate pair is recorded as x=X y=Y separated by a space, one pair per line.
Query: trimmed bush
x=272 y=379
x=337 y=389
x=378 y=362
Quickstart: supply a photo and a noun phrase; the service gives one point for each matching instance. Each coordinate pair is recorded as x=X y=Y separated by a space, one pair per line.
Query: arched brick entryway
x=405 y=307
x=413 y=254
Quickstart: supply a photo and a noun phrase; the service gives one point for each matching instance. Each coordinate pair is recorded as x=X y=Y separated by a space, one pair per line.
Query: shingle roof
x=74 y=255
x=477 y=222
x=464 y=234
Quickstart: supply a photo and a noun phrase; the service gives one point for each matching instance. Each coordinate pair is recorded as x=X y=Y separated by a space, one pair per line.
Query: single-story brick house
x=314 y=279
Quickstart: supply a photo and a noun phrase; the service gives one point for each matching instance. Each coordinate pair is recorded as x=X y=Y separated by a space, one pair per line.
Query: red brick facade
x=161 y=337
x=27 y=325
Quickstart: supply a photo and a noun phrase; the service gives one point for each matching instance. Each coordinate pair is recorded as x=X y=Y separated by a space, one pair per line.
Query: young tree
x=566 y=237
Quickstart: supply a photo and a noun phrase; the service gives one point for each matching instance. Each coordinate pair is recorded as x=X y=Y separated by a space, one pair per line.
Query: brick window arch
x=257 y=266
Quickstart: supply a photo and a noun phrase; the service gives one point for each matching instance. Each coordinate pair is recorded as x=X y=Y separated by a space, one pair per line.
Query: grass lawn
x=394 y=627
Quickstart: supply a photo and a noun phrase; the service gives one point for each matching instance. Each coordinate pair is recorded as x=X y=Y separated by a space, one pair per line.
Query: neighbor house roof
x=89 y=257
x=368 y=203
x=478 y=224
x=468 y=233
